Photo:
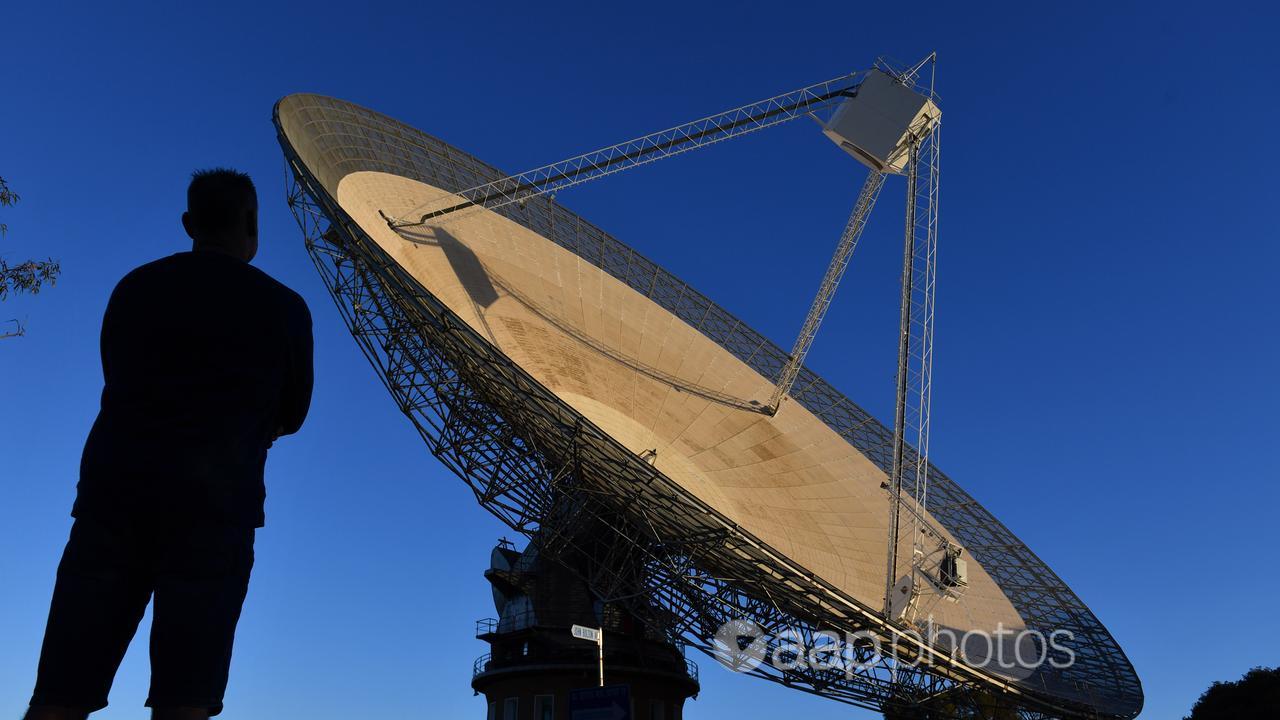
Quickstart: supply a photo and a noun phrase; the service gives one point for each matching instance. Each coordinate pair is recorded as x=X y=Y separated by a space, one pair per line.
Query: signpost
x=595 y=635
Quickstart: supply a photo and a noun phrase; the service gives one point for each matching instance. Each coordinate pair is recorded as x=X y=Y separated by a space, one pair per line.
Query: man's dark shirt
x=205 y=358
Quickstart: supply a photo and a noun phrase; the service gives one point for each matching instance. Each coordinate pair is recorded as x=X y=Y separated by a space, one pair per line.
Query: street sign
x=595 y=636
x=602 y=703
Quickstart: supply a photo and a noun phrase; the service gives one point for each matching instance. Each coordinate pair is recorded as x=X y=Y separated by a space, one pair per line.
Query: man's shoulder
x=146 y=276
x=207 y=263
x=291 y=304
x=182 y=263
x=184 y=266
x=152 y=268
x=287 y=295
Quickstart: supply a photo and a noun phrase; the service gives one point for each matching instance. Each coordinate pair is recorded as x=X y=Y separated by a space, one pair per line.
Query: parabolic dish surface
x=680 y=384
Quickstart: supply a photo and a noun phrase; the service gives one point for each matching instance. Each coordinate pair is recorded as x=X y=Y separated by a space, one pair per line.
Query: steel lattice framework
x=544 y=470
x=596 y=164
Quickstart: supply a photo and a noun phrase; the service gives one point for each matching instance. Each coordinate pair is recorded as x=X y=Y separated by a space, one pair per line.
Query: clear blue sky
x=1106 y=341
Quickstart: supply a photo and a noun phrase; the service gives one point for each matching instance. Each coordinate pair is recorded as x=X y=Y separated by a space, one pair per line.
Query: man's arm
x=296 y=398
x=119 y=310
x=106 y=336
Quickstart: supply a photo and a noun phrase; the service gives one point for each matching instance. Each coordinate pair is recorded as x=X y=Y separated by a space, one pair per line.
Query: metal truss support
x=835 y=271
x=901 y=392
x=640 y=151
x=914 y=381
x=924 y=267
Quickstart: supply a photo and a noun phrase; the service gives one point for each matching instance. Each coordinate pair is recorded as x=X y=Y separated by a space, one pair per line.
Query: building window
x=510 y=708
x=655 y=710
x=544 y=707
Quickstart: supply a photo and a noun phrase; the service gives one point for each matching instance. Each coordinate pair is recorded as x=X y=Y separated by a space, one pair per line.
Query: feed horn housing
x=875 y=126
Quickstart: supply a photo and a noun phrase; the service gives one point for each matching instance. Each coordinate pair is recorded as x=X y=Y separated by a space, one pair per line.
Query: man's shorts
x=198 y=574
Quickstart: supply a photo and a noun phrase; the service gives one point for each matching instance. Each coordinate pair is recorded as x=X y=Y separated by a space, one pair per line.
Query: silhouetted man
x=206 y=361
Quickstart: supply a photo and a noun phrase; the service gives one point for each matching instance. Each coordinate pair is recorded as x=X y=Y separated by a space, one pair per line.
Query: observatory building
x=537 y=669
x=674 y=470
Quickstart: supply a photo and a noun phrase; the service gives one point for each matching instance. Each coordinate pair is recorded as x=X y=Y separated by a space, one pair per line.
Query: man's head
x=222 y=213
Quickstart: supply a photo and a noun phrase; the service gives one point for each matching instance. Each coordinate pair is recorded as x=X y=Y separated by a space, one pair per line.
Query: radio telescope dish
x=573 y=383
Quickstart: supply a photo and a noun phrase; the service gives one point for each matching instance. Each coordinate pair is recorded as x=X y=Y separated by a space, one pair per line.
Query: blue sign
x=611 y=702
